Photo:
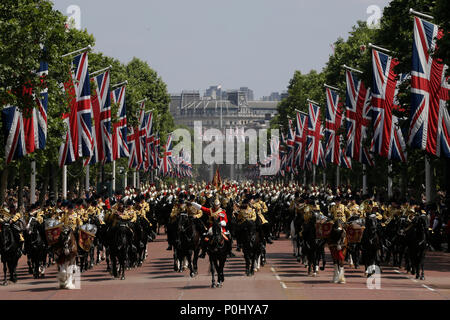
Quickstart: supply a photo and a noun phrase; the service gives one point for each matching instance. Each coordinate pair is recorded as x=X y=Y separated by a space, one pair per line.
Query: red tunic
x=220 y=213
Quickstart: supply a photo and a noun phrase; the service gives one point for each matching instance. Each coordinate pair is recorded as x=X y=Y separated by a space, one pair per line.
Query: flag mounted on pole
x=430 y=121
x=68 y=152
x=387 y=140
x=82 y=88
x=314 y=135
x=301 y=131
x=26 y=131
x=120 y=145
x=217 y=181
x=358 y=118
x=101 y=110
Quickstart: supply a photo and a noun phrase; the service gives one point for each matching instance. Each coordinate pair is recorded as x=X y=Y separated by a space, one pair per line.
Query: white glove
x=223 y=223
x=196 y=205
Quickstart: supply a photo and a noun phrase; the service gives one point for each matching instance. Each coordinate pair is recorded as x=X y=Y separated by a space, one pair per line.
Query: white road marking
x=345 y=288
x=283 y=285
x=425 y=286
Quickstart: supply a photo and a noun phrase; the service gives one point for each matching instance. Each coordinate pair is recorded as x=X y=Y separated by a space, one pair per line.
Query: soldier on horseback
x=216 y=212
x=15 y=219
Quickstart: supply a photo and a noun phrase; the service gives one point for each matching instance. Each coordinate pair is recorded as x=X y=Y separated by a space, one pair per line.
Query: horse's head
x=66 y=239
x=217 y=239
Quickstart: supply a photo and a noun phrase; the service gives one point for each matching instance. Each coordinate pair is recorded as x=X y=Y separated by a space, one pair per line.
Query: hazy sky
x=193 y=44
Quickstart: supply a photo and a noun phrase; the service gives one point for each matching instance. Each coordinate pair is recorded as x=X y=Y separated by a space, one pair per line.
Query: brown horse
x=66 y=252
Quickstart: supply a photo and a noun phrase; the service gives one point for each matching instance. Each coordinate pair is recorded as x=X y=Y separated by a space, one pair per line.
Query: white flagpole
x=138 y=180
x=314 y=174
x=33 y=182
x=125 y=179
x=113 y=176
x=364 y=179
x=390 y=193
x=64 y=182
x=338 y=178
x=87 y=178
x=427 y=179
x=134 y=179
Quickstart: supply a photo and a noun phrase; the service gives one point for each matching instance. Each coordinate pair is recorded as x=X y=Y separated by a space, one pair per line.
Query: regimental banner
x=52 y=234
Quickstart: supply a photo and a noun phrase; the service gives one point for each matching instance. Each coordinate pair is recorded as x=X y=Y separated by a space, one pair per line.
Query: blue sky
x=193 y=44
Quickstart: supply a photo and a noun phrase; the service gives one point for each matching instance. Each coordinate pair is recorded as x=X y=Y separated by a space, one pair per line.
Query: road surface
x=282 y=278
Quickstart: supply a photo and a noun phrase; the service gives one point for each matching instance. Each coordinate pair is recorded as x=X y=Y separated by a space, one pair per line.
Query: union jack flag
x=16 y=128
x=101 y=110
x=291 y=148
x=26 y=131
x=430 y=121
x=387 y=138
x=143 y=117
x=134 y=160
x=136 y=142
x=314 y=149
x=149 y=155
x=167 y=161
x=68 y=152
x=83 y=98
x=333 y=122
x=300 y=140
x=120 y=146
x=157 y=161
x=358 y=118
x=40 y=118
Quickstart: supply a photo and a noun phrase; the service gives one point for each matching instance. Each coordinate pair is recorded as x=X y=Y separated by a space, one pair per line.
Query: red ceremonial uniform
x=219 y=213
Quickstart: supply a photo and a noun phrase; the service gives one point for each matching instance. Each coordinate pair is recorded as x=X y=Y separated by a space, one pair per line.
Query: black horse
x=10 y=250
x=416 y=237
x=251 y=241
x=187 y=244
x=119 y=247
x=396 y=235
x=297 y=237
x=36 y=244
x=312 y=245
x=370 y=244
x=217 y=252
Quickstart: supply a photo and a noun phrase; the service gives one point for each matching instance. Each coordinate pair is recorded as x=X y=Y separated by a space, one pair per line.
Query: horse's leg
x=217 y=267
x=30 y=263
x=189 y=259
x=12 y=269
x=107 y=257
x=122 y=266
x=211 y=268
x=422 y=259
x=195 y=261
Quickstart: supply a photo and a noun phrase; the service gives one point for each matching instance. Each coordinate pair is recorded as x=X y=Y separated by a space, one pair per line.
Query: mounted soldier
x=216 y=212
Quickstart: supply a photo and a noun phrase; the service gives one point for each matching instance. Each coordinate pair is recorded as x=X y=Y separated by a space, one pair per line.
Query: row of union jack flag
x=90 y=132
x=373 y=108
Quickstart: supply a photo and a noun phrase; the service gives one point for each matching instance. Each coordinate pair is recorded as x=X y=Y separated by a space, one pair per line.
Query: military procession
x=358 y=231
x=102 y=169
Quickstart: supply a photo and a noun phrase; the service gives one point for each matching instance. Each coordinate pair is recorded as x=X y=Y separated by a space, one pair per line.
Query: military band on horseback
x=202 y=219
